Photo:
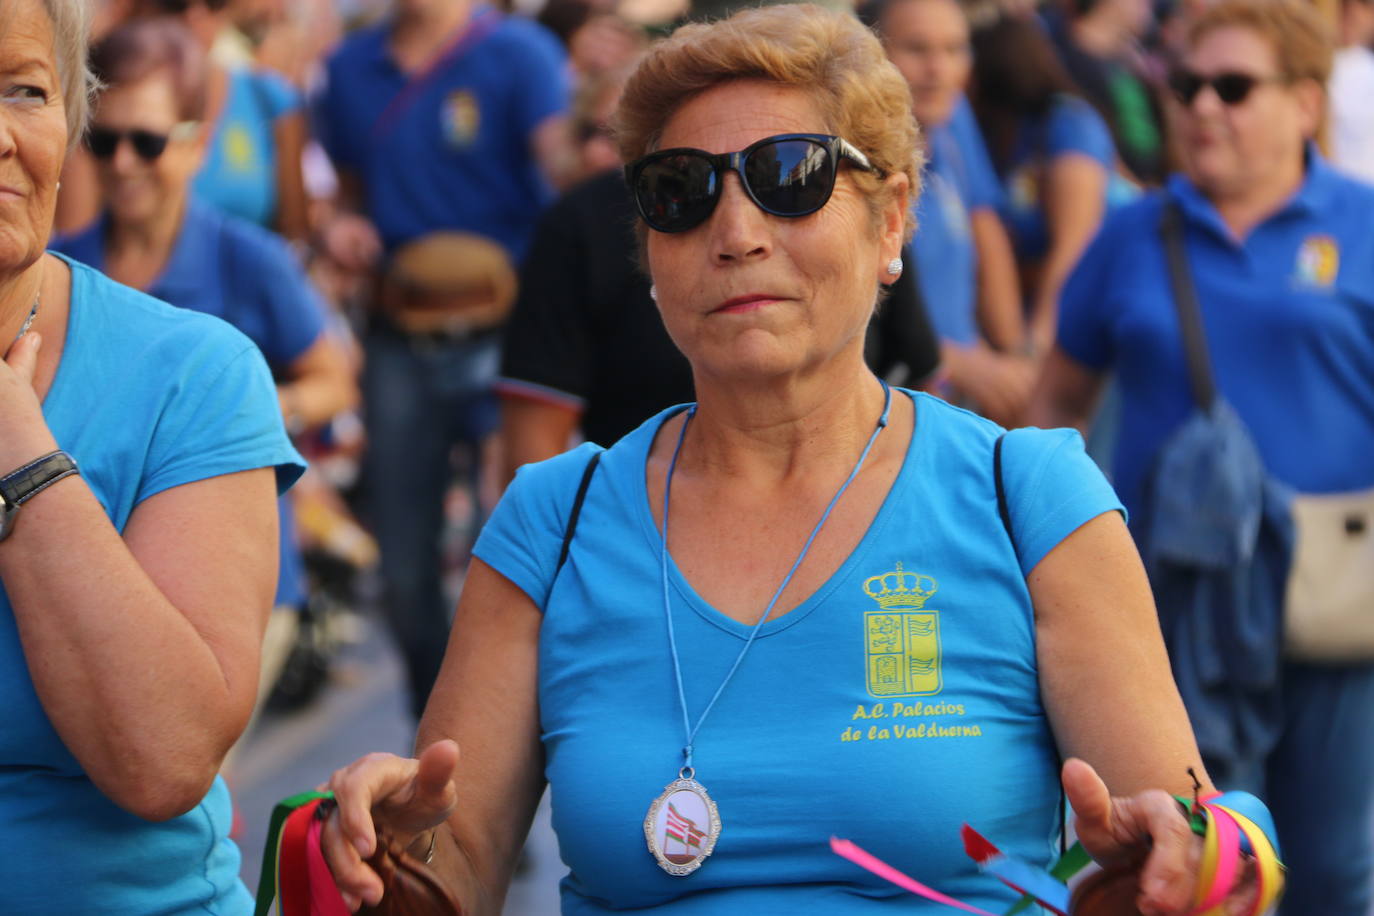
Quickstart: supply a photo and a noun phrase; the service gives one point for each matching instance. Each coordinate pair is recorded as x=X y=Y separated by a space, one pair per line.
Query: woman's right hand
x=404 y=797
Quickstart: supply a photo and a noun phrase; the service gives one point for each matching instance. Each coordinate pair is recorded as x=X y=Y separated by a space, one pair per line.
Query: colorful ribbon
x=1241 y=826
x=294 y=873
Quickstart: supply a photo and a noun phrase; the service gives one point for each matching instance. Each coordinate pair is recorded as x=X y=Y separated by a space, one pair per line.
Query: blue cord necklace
x=683 y=823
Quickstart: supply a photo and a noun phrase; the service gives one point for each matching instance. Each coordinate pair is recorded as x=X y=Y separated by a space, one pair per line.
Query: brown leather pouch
x=1110 y=892
x=410 y=887
x=448 y=283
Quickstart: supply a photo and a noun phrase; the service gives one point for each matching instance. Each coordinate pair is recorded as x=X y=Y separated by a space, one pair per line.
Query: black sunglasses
x=1231 y=88
x=102 y=142
x=786 y=175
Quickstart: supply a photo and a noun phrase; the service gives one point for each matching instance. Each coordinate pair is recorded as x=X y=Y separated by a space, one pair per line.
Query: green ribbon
x=267 y=879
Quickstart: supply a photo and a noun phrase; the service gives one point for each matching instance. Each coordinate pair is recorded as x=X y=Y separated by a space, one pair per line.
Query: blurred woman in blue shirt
x=1282 y=255
x=1054 y=154
x=148 y=141
x=966 y=268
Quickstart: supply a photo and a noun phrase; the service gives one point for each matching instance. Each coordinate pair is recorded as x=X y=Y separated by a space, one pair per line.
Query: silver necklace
x=683 y=822
x=28 y=323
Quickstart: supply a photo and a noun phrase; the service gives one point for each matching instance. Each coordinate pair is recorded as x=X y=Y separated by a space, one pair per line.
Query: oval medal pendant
x=682 y=826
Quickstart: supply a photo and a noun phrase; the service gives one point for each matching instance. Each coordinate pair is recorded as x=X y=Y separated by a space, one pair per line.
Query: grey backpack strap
x=576 y=511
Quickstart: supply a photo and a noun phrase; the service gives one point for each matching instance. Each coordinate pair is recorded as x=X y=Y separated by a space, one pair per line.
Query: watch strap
x=33 y=478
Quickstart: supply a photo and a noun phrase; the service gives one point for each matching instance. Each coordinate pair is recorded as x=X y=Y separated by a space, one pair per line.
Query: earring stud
x=653 y=293
x=894 y=267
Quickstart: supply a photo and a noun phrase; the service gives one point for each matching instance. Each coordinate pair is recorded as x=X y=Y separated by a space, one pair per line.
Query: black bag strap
x=1002 y=508
x=1186 y=302
x=576 y=511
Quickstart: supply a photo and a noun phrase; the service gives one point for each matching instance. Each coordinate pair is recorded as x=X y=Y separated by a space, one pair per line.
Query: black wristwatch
x=33 y=478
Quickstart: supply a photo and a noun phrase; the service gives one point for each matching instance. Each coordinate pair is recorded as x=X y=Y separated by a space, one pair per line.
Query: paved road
x=363 y=709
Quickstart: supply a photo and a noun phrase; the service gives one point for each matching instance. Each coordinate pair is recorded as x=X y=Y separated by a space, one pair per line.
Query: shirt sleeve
x=548 y=340
x=1076 y=127
x=268 y=277
x=222 y=418
x=279 y=96
x=984 y=188
x=1083 y=330
x=524 y=535
x=543 y=90
x=1052 y=488
x=295 y=310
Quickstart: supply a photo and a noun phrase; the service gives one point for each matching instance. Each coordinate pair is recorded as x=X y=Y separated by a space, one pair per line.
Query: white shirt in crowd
x=1352 y=112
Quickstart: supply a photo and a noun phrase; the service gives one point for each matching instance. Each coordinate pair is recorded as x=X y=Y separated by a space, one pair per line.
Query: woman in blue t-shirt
x=1053 y=152
x=140 y=451
x=837 y=633
x=252 y=163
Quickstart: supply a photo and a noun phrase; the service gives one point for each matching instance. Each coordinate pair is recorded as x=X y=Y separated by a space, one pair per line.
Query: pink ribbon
x=325 y=899
x=880 y=868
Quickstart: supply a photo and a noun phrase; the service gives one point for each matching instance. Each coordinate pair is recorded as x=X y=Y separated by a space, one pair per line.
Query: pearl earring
x=653 y=293
x=894 y=266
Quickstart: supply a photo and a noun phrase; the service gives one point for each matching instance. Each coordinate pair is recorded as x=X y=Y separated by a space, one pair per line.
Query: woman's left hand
x=1149 y=828
x=24 y=435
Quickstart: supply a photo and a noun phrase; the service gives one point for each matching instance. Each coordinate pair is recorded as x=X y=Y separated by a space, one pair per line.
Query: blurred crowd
x=416 y=210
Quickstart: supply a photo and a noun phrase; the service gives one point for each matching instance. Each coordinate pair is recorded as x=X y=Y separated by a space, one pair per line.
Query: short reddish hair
x=825 y=53
x=1301 y=40
x=144 y=47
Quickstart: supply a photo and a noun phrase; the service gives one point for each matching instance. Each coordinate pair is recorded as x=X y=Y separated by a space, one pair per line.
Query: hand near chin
x=1150 y=833
x=24 y=434
x=383 y=793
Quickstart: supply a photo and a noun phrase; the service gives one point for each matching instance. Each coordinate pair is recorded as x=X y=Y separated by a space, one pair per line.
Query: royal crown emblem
x=900 y=589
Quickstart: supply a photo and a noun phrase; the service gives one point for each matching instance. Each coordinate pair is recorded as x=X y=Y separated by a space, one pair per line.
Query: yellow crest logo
x=462 y=118
x=1319 y=260
x=1025 y=188
x=239 y=151
x=902 y=641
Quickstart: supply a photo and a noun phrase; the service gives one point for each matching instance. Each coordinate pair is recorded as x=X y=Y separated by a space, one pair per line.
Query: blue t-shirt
x=1289 y=317
x=897 y=702
x=239 y=175
x=1071 y=127
x=959 y=180
x=246 y=275
x=454 y=152
x=147 y=397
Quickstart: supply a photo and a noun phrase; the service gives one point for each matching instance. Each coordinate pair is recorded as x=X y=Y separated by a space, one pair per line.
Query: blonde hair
x=1301 y=40
x=828 y=54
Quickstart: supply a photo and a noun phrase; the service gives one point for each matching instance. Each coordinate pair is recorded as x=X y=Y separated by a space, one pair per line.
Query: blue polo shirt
x=233 y=270
x=1289 y=317
x=453 y=152
x=1070 y=127
x=959 y=180
x=246 y=275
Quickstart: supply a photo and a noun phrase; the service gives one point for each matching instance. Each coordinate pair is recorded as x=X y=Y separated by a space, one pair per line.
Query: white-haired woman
x=140 y=452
